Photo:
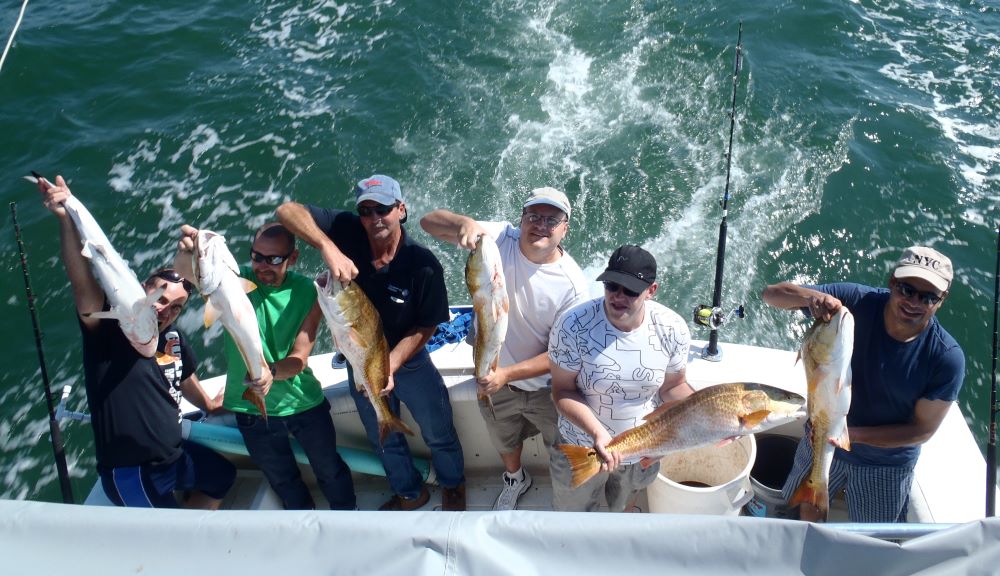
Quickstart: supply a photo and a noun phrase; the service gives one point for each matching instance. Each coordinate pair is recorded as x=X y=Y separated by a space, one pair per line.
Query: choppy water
x=865 y=126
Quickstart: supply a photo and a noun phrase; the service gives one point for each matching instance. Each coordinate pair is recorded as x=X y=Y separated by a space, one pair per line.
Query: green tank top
x=280 y=312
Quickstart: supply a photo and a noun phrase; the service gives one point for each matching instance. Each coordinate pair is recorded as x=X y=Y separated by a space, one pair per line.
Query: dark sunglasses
x=171 y=275
x=908 y=291
x=267 y=259
x=614 y=287
x=380 y=210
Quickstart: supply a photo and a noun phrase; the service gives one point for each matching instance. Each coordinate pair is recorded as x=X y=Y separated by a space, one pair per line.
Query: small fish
x=357 y=333
x=128 y=301
x=488 y=289
x=826 y=354
x=213 y=269
x=714 y=415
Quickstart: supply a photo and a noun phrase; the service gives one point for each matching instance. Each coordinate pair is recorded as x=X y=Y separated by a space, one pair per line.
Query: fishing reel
x=714 y=317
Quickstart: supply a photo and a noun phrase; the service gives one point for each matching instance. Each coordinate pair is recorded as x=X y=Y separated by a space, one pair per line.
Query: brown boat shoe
x=400 y=504
x=453 y=499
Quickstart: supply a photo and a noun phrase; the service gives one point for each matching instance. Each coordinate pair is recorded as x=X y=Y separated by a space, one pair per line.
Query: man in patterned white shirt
x=613 y=361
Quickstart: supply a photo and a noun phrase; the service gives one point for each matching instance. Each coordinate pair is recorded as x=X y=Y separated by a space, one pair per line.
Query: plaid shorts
x=874 y=493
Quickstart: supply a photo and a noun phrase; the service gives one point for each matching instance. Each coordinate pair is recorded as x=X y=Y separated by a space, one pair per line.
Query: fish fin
x=659 y=410
x=247 y=285
x=88 y=250
x=211 y=312
x=809 y=493
x=151 y=298
x=390 y=425
x=646 y=462
x=754 y=418
x=583 y=461
x=257 y=400
x=489 y=401
x=103 y=315
x=844 y=442
x=726 y=441
x=798 y=356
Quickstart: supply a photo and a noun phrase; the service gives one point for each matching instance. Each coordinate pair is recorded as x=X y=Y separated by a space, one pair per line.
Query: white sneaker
x=512 y=490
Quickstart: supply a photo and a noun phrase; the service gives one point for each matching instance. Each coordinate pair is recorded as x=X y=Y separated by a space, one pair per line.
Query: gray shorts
x=618 y=487
x=520 y=415
x=874 y=493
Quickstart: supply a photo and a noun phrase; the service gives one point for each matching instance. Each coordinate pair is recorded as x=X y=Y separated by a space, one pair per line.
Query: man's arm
x=297 y=219
x=195 y=394
x=927 y=417
x=298 y=358
x=87 y=293
x=675 y=387
x=455 y=228
x=570 y=403
x=791 y=296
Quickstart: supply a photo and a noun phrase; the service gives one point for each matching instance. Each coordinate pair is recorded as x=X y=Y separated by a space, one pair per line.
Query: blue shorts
x=153 y=485
x=874 y=493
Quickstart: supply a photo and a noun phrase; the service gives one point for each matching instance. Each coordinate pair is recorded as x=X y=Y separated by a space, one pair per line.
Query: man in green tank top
x=288 y=316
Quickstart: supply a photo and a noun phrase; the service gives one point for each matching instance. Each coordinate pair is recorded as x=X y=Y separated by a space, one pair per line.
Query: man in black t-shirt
x=405 y=283
x=133 y=400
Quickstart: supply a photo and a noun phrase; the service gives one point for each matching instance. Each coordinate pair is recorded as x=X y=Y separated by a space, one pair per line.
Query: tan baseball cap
x=926 y=263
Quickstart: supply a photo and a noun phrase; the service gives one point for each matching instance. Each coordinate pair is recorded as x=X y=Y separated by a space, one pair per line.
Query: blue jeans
x=271 y=450
x=420 y=386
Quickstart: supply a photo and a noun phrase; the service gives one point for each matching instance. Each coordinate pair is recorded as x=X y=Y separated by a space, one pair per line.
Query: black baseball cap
x=632 y=267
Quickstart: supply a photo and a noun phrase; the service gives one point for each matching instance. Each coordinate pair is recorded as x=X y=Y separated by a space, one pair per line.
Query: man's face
x=381 y=222
x=909 y=301
x=540 y=235
x=623 y=309
x=263 y=251
x=170 y=303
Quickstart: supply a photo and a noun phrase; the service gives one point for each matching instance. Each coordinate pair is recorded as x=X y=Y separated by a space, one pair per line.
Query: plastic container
x=775 y=457
x=711 y=480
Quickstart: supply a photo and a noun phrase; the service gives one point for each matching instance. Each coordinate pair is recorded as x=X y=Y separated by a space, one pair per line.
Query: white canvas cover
x=44 y=538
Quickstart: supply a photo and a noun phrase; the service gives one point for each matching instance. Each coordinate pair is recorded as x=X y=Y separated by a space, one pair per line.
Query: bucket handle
x=739 y=492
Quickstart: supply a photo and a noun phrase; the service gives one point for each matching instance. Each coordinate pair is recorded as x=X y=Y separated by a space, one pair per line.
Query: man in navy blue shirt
x=405 y=283
x=907 y=371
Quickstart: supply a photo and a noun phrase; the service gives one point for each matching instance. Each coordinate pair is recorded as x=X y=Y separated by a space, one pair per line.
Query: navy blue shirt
x=889 y=376
x=134 y=401
x=408 y=292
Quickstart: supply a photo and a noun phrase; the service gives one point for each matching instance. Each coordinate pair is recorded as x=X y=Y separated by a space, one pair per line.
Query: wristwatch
x=273 y=370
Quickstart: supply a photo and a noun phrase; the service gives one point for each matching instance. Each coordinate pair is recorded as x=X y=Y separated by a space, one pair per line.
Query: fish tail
x=257 y=400
x=583 y=462
x=390 y=424
x=812 y=493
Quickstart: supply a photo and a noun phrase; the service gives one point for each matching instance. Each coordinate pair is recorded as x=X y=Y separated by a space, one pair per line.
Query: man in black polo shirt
x=405 y=283
x=134 y=400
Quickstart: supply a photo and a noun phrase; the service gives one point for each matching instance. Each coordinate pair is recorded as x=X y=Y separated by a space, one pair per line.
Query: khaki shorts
x=618 y=487
x=520 y=415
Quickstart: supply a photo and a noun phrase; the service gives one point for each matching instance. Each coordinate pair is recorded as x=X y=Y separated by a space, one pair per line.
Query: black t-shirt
x=134 y=400
x=408 y=292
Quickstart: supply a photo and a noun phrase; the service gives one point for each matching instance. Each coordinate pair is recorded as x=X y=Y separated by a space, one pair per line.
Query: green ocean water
x=863 y=127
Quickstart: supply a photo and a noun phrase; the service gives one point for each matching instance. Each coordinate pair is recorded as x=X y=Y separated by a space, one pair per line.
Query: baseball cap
x=925 y=263
x=550 y=196
x=381 y=189
x=632 y=267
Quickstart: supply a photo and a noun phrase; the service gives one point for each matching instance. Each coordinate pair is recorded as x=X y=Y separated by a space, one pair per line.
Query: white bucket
x=721 y=478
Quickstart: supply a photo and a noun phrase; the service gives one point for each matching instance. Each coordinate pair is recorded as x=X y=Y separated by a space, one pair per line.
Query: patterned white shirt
x=618 y=373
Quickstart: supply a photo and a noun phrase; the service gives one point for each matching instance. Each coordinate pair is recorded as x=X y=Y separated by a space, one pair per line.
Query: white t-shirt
x=538 y=294
x=619 y=373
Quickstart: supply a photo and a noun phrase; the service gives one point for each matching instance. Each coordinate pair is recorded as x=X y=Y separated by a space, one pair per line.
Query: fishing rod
x=713 y=316
x=54 y=433
x=991 y=445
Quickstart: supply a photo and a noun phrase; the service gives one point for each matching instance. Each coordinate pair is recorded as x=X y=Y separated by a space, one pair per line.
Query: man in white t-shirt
x=613 y=360
x=543 y=281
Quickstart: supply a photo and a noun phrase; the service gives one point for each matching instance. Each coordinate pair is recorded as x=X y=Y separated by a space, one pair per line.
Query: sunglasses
x=268 y=259
x=908 y=291
x=614 y=287
x=550 y=221
x=380 y=210
x=171 y=275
